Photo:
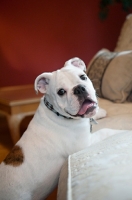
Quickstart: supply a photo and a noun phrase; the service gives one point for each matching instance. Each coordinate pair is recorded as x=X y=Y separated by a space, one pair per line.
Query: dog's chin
x=89 y=114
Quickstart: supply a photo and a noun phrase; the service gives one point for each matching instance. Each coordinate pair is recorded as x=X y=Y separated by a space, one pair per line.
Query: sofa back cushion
x=111 y=74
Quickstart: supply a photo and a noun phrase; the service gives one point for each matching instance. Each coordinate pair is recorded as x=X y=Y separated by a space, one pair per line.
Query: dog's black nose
x=80 y=90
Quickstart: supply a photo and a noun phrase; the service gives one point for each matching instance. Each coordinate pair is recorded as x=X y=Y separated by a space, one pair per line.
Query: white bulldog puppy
x=60 y=127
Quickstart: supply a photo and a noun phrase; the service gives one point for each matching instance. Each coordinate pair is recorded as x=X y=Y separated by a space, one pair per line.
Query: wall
x=38 y=36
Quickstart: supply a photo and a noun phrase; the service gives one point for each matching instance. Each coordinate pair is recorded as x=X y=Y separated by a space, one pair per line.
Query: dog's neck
x=50 y=107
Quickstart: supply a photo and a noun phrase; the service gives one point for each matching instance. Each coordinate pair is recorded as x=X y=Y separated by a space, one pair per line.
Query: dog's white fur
x=49 y=138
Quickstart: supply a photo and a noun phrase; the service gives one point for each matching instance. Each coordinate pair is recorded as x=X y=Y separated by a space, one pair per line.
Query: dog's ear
x=41 y=82
x=77 y=62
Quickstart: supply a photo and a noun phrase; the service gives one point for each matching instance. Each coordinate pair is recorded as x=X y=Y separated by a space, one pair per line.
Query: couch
x=104 y=171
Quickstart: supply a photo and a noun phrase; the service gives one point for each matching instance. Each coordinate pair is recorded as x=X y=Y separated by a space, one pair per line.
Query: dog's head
x=69 y=90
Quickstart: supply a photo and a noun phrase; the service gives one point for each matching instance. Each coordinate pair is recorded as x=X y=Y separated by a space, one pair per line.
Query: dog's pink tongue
x=84 y=108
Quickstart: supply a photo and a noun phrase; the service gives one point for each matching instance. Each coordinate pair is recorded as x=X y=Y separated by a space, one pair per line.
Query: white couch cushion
x=100 y=172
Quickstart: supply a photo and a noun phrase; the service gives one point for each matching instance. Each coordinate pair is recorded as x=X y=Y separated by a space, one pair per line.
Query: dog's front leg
x=100 y=114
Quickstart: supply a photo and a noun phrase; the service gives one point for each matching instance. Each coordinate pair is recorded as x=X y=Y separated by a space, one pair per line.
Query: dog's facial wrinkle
x=15 y=157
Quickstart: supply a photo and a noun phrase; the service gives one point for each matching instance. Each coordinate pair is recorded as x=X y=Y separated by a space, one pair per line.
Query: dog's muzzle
x=87 y=105
x=80 y=92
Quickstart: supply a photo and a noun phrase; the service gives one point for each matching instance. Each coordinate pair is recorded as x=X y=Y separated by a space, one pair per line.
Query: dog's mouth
x=87 y=106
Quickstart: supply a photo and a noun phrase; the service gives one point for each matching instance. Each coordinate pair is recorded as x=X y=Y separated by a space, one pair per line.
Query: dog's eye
x=61 y=92
x=83 y=77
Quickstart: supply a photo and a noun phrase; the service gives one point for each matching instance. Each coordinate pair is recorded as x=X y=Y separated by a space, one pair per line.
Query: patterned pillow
x=111 y=74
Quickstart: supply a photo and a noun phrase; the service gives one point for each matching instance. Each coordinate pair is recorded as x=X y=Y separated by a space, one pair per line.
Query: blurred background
x=38 y=36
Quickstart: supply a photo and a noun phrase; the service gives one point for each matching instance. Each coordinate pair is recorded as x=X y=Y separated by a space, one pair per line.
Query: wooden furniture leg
x=14 y=122
x=14 y=125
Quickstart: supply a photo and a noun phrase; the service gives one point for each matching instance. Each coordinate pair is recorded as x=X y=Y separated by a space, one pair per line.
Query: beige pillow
x=125 y=39
x=111 y=74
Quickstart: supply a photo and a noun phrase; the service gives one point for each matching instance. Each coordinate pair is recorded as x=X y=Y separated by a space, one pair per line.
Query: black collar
x=50 y=107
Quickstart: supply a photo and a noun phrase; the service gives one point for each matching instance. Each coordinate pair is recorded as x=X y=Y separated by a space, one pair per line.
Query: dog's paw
x=100 y=114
